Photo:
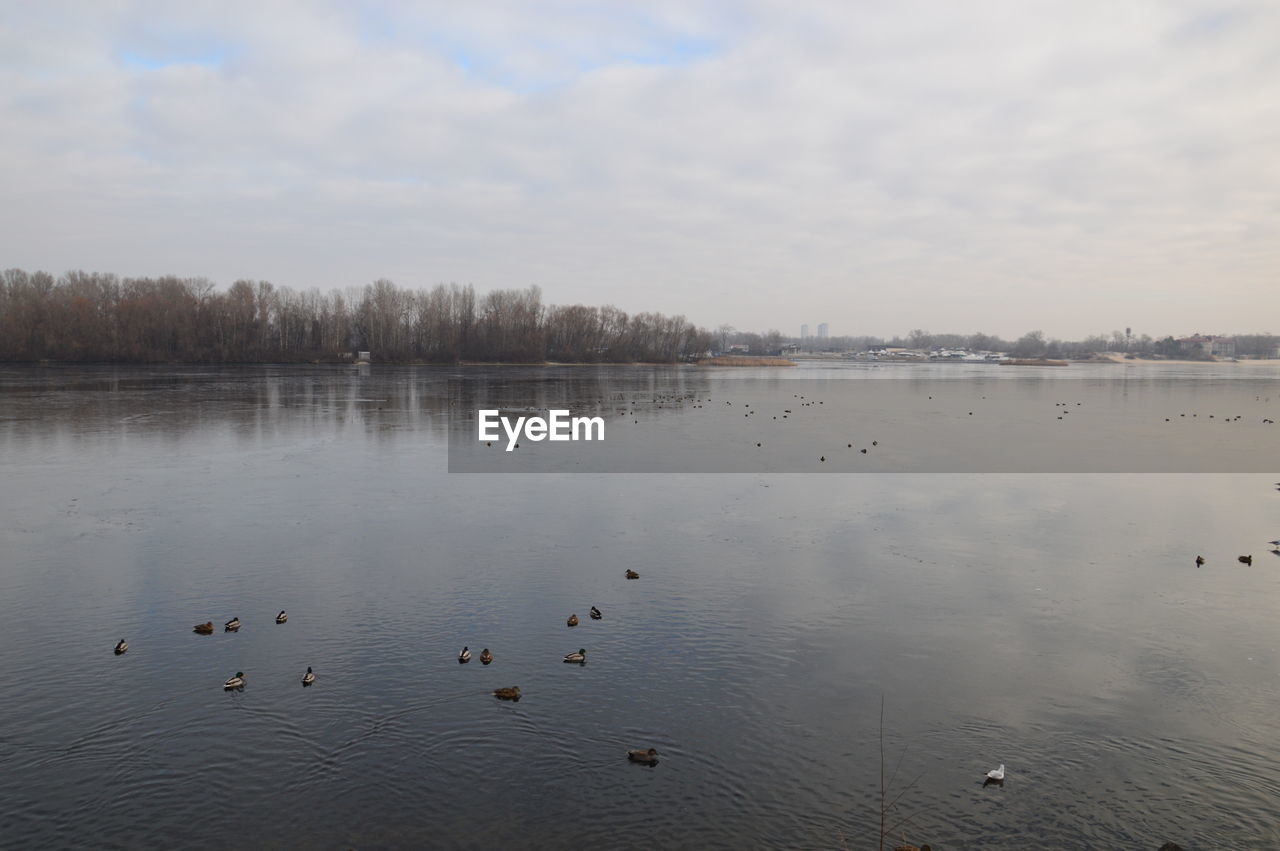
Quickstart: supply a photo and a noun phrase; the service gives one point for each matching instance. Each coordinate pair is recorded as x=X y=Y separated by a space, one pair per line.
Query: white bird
x=996 y=773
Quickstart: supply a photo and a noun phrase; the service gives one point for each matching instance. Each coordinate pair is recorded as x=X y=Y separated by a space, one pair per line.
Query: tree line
x=86 y=316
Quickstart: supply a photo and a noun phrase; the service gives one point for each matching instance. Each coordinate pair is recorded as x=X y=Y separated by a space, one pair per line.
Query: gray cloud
x=992 y=166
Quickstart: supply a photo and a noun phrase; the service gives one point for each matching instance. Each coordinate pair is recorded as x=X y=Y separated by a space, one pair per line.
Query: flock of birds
x=206 y=628
x=646 y=756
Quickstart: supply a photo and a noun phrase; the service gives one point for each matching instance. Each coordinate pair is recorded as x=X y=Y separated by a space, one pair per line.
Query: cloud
x=993 y=166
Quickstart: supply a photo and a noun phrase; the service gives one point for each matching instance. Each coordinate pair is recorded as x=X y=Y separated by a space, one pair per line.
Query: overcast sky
x=978 y=166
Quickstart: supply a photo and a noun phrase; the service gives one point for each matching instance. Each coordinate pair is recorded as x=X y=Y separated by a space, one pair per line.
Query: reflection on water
x=1057 y=624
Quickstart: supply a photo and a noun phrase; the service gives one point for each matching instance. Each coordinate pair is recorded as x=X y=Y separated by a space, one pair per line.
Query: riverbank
x=740 y=360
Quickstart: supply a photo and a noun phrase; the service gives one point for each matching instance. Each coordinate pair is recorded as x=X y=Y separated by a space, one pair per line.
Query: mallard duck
x=203 y=628
x=510 y=693
x=485 y=656
x=1245 y=559
x=232 y=625
x=282 y=617
x=121 y=646
x=595 y=614
x=308 y=678
x=235 y=682
x=580 y=656
x=465 y=655
x=649 y=757
x=631 y=574
x=573 y=620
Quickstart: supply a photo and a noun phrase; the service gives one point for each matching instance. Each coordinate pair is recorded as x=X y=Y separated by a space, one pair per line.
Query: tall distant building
x=822 y=331
x=804 y=332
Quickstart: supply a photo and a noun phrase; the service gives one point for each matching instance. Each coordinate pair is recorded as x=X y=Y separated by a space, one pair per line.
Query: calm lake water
x=1043 y=612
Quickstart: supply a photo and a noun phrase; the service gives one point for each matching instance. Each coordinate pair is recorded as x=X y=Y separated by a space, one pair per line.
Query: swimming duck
x=573 y=620
x=122 y=646
x=232 y=625
x=1199 y=560
x=631 y=574
x=485 y=656
x=509 y=693
x=465 y=655
x=308 y=678
x=235 y=682
x=996 y=774
x=1245 y=559
x=203 y=628
x=595 y=614
x=580 y=656
x=282 y=617
x=649 y=757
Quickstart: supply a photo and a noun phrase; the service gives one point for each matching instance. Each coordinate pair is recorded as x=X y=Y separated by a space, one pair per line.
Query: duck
x=595 y=614
x=282 y=617
x=121 y=646
x=308 y=678
x=508 y=693
x=1199 y=560
x=631 y=574
x=485 y=656
x=235 y=682
x=203 y=628
x=579 y=657
x=465 y=655
x=649 y=757
x=232 y=625
x=573 y=620
x=996 y=774
x=1245 y=559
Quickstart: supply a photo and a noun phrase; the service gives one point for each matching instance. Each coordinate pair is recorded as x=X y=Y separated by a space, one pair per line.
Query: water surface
x=1056 y=623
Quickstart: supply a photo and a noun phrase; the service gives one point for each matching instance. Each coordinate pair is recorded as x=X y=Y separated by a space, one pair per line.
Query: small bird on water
x=996 y=774
x=122 y=646
x=308 y=678
x=631 y=574
x=1245 y=559
x=235 y=682
x=485 y=656
x=282 y=617
x=573 y=620
x=508 y=693
x=595 y=614
x=649 y=757
x=465 y=655
x=1199 y=560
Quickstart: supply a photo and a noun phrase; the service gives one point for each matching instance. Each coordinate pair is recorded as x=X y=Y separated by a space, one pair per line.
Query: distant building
x=739 y=349
x=362 y=357
x=1218 y=347
x=789 y=349
x=822 y=331
x=804 y=332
